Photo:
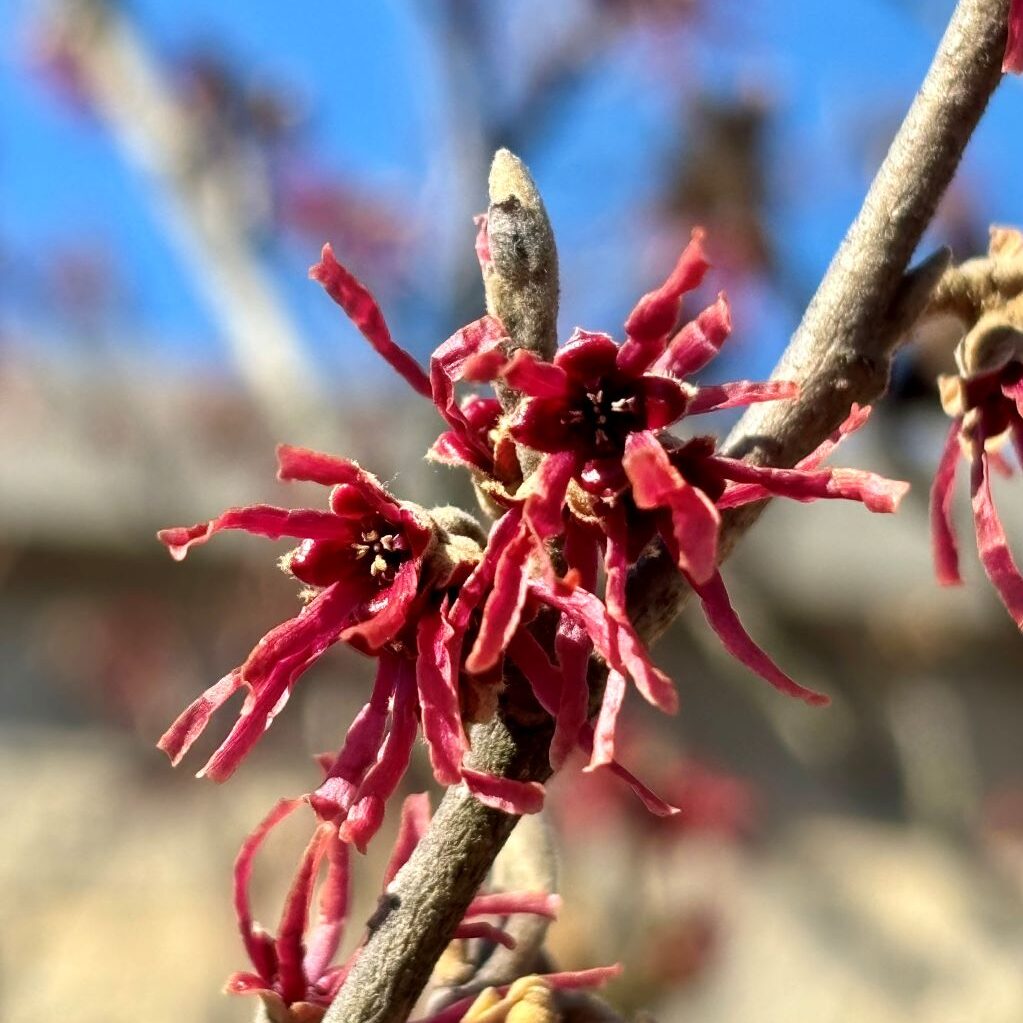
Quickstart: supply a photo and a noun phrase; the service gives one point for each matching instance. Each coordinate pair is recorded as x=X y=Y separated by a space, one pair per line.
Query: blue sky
x=380 y=109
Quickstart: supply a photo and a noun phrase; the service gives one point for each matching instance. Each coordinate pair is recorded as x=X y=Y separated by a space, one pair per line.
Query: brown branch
x=840 y=354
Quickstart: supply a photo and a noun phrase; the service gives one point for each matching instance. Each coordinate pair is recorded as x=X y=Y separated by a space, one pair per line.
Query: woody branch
x=840 y=354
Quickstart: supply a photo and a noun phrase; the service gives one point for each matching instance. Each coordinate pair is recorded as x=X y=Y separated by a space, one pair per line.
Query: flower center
x=605 y=416
x=383 y=552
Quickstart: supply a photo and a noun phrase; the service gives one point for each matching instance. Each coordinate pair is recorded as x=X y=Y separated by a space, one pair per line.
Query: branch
x=840 y=354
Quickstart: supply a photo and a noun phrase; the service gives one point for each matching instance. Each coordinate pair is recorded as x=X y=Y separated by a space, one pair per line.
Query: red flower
x=1014 y=44
x=373 y=565
x=295 y=975
x=987 y=407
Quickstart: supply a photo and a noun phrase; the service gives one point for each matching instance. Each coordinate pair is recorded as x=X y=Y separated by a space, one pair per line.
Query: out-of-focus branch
x=157 y=134
x=840 y=354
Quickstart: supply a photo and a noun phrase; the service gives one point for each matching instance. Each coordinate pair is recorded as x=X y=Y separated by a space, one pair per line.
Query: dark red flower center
x=370 y=557
x=603 y=417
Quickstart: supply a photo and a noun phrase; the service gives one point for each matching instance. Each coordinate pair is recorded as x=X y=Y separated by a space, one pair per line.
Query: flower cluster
x=294 y=973
x=573 y=458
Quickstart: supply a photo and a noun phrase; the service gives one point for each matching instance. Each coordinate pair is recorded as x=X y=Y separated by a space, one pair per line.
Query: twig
x=840 y=354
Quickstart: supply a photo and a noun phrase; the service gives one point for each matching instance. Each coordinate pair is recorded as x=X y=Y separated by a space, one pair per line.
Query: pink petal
x=332 y=913
x=572 y=646
x=615 y=641
x=383 y=777
x=388 y=611
x=486 y=931
x=1013 y=61
x=258 y=943
x=656 y=313
x=875 y=492
x=415 y=819
x=698 y=342
x=991 y=542
x=532 y=376
x=546 y=490
x=506 y=903
x=653 y=803
x=505 y=794
x=273 y=668
x=503 y=610
x=449 y=361
x=714 y=397
x=295 y=917
x=362 y=309
x=476 y=586
x=438 y=697
x=333 y=799
x=725 y=622
x=944 y=546
x=604 y=732
x=178 y=739
x=532 y=660
x=261 y=519
x=694 y=519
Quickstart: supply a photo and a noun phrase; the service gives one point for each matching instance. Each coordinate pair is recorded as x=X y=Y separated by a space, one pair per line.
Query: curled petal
x=943 y=537
x=362 y=309
x=332 y=912
x=604 y=732
x=449 y=363
x=698 y=342
x=476 y=586
x=382 y=778
x=573 y=647
x=656 y=313
x=261 y=519
x=725 y=622
x=272 y=670
x=485 y=931
x=653 y=803
x=587 y=356
x=992 y=545
x=531 y=375
x=258 y=943
x=503 y=610
x=438 y=697
x=505 y=903
x=415 y=819
x=505 y=794
x=545 y=492
x=178 y=739
x=656 y=483
x=344 y=774
x=294 y=918
x=876 y=493
x=714 y=397
x=388 y=612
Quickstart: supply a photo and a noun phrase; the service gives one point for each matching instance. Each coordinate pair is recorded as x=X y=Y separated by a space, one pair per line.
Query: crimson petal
x=360 y=306
x=698 y=342
x=332 y=913
x=944 y=545
x=439 y=707
x=656 y=313
x=533 y=376
x=415 y=819
x=260 y=519
x=505 y=794
x=992 y=545
x=1013 y=61
x=714 y=397
x=294 y=919
x=737 y=641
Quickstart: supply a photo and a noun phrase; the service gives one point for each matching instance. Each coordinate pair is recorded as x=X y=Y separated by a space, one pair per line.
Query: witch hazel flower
x=294 y=972
x=610 y=478
x=512 y=580
x=378 y=573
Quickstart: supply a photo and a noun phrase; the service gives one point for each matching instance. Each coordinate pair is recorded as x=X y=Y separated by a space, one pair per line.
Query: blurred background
x=168 y=172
